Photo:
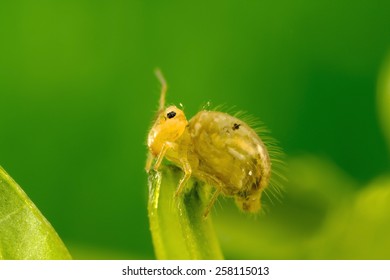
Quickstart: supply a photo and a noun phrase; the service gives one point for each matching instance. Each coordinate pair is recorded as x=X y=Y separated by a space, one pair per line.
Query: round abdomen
x=231 y=152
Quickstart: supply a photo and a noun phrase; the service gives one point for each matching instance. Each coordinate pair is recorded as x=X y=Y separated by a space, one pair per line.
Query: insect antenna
x=164 y=88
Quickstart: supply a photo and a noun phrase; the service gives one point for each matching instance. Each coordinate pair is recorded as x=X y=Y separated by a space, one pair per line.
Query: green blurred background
x=78 y=95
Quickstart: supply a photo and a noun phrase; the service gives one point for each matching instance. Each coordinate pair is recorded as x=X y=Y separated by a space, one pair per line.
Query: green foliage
x=24 y=231
x=178 y=227
x=358 y=229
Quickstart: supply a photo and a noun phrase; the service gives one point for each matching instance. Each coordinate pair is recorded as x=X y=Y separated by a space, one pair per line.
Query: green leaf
x=179 y=230
x=24 y=231
x=359 y=229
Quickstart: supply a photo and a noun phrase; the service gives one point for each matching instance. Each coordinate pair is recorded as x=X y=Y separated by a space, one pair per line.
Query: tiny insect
x=214 y=147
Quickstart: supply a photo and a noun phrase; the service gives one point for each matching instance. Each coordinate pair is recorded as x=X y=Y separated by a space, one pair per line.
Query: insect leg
x=149 y=161
x=217 y=184
x=164 y=88
x=187 y=175
x=212 y=200
x=161 y=155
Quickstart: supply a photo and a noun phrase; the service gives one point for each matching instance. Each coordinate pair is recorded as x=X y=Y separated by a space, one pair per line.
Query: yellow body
x=214 y=147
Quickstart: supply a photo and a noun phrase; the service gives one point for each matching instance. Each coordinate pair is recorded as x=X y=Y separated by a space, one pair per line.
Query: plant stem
x=179 y=230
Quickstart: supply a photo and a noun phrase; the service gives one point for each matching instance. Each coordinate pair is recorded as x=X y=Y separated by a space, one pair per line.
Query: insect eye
x=171 y=114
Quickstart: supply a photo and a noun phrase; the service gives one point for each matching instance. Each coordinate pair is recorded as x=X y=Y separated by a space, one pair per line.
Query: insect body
x=214 y=147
